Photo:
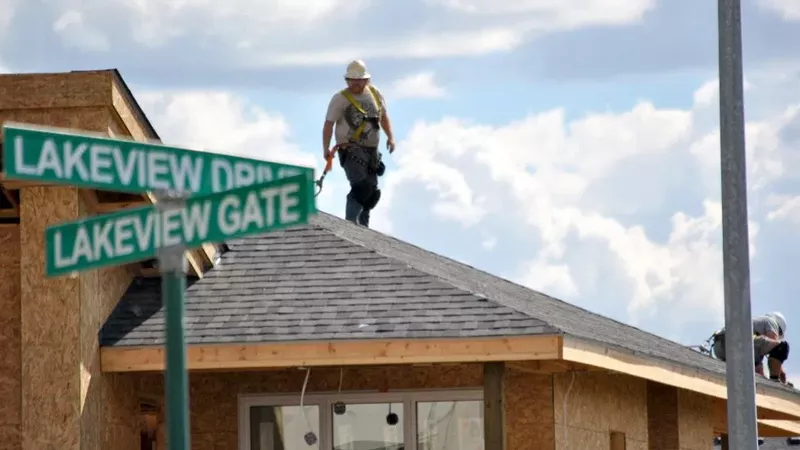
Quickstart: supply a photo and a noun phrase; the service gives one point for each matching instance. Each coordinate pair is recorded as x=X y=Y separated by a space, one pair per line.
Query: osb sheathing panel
x=67 y=402
x=125 y=110
x=86 y=118
x=50 y=328
x=597 y=404
x=109 y=402
x=10 y=370
x=695 y=413
x=60 y=90
x=529 y=411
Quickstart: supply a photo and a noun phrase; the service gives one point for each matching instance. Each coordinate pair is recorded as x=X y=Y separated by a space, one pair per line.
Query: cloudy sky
x=570 y=146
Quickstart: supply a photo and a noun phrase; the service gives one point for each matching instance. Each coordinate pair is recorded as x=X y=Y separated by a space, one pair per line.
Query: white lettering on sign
x=133 y=234
x=214 y=218
x=258 y=209
x=227 y=175
x=107 y=164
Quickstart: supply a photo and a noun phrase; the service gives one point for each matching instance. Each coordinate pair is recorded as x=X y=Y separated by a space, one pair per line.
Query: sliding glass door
x=399 y=420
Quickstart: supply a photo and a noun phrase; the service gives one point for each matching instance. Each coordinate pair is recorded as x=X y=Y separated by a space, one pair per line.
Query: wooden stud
x=778 y=428
x=105 y=207
x=494 y=429
x=8 y=213
x=89 y=198
x=194 y=265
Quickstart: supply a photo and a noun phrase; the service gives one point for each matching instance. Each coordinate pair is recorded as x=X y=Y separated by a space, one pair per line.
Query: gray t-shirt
x=763 y=325
x=347 y=118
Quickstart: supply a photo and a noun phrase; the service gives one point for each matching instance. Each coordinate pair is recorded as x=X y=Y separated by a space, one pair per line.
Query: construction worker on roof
x=358 y=113
x=768 y=340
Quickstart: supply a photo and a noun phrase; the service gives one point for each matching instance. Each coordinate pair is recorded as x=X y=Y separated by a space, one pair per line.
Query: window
x=283 y=427
x=450 y=425
x=400 y=420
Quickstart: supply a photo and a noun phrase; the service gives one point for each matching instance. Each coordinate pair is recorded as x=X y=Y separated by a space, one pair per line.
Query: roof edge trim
x=336 y=353
x=771 y=403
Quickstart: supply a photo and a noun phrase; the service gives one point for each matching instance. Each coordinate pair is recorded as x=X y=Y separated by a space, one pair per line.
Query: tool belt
x=373 y=163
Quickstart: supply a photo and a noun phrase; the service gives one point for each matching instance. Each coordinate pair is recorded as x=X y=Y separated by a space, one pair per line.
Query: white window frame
x=324 y=402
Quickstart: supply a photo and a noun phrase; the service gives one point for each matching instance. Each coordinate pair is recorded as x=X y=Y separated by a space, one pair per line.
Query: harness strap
x=374 y=94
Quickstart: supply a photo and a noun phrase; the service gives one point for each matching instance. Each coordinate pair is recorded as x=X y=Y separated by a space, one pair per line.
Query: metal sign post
x=171 y=265
x=742 y=425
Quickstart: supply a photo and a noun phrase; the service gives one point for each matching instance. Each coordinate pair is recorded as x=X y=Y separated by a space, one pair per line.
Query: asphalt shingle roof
x=334 y=280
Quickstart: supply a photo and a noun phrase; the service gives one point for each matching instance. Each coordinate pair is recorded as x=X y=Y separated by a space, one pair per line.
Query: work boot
x=353 y=210
x=363 y=218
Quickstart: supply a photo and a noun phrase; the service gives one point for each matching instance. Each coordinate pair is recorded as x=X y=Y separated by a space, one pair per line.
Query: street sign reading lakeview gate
x=138 y=233
x=53 y=156
x=229 y=197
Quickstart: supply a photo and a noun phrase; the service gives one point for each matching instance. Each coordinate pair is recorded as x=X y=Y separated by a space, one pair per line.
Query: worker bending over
x=359 y=113
x=768 y=340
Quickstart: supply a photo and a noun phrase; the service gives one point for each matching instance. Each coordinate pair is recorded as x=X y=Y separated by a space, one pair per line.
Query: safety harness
x=375 y=97
x=346 y=93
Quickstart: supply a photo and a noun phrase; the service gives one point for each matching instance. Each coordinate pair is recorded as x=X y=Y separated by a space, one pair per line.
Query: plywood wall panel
x=125 y=111
x=109 y=402
x=64 y=401
x=87 y=118
x=597 y=404
x=23 y=91
x=50 y=324
x=529 y=411
x=10 y=369
x=695 y=420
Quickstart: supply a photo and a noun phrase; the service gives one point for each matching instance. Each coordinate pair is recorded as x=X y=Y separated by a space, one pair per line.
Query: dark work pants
x=357 y=163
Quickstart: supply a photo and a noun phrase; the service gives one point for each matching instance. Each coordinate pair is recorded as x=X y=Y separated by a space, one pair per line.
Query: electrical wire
x=302 y=397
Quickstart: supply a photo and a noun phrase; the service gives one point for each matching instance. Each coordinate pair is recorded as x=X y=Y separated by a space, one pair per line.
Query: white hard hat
x=780 y=319
x=357 y=70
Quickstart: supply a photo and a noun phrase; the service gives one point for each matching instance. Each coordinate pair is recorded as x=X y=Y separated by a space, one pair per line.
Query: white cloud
x=419 y=85
x=788 y=9
x=577 y=12
x=221 y=122
x=583 y=201
x=75 y=32
x=240 y=21
x=322 y=32
x=785 y=207
x=7 y=10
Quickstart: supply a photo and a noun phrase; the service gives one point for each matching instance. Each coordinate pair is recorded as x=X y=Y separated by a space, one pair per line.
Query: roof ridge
x=331 y=217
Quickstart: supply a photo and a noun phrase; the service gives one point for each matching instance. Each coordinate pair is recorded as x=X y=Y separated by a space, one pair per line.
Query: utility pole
x=742 y=425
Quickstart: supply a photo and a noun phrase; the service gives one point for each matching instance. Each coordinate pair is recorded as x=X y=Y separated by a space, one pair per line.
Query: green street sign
x=138 y=233
x=35 y=153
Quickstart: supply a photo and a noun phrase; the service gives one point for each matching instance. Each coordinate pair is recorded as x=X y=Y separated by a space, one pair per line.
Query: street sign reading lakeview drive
x=53 y=156
x=138 y=233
